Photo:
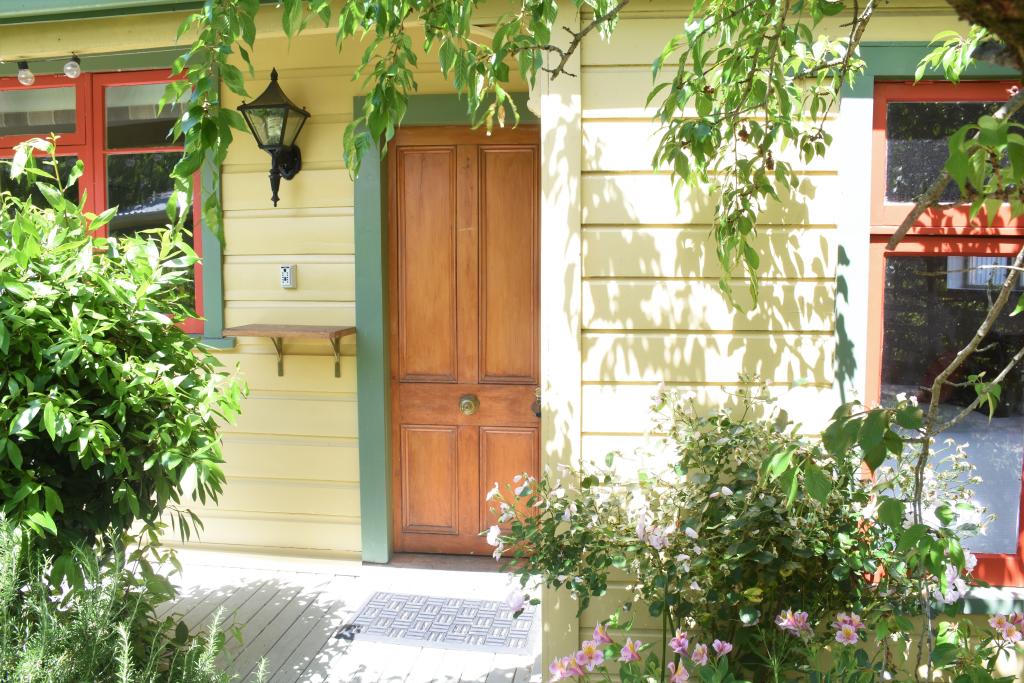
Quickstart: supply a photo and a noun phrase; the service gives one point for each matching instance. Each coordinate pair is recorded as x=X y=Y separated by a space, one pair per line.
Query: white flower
x=493 y=493
x=715 y=494
x=516 y=600
x=970 y=561
x=726 y=491
x=497 y=552
x=494 y=535
x=901 y=397
x=697 y=550
x=570 y=510
x=690 y=533
x=694 y=586
x=516 y=479
x=521 y=489
x=657 y=537
x=913 y=401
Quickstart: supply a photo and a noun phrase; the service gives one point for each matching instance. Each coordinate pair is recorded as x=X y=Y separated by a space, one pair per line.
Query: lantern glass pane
x=268 y=123
x=292 y=127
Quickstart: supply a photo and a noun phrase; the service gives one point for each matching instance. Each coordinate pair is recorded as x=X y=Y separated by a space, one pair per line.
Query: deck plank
x=274 y=620
x=324 y=615
x=308 y=607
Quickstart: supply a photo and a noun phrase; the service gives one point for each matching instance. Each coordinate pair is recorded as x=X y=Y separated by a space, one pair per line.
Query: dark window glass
x=25 y=186
x=931 y=311
x=134 y=118
x=140 y=186
x=37 y=111
x=918 y=144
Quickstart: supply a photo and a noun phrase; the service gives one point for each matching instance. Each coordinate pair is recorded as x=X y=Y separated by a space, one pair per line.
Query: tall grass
x=103 y=633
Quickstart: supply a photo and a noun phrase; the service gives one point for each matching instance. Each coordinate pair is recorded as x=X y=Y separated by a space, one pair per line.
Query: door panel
x=427 y=282
x=505 y=453
x=464 y=300
x=509 y=288
x=429 y=459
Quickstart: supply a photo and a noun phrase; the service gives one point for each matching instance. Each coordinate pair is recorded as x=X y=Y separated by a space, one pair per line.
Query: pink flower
x=681 y=643
x=601 y=635
x=699 y=654
x=851 y=619
x=590 y=655
x=999 y=622
x=793 y=622
x=630 y=651
x=677 y=675
x=1012 y=634
x=558 y=670
x=721 y=647
x=1017 y=619
x=847 y=635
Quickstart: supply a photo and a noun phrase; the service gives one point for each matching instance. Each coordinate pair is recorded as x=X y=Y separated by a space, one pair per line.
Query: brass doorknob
x=469 y=404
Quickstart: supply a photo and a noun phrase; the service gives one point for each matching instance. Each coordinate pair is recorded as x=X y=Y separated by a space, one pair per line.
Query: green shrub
x=109 y=411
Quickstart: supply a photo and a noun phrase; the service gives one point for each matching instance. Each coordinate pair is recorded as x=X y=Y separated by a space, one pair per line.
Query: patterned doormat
x=444 y=623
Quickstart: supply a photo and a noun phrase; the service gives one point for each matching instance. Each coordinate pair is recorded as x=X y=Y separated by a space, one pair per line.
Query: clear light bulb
x=25 y=75
x=73 y=68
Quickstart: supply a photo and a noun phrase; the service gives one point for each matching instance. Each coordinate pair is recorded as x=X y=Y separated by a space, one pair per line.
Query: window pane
x=37 y=112
x=918 y=144
x=134 y=118
x=926 y=323
x=25 y=188
x=140 y=186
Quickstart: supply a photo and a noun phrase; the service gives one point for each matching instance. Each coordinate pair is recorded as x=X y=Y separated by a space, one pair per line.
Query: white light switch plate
x=288 y=277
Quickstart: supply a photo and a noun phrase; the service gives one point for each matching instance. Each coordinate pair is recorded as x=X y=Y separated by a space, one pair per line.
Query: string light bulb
x=25 y=75
x=73 y=67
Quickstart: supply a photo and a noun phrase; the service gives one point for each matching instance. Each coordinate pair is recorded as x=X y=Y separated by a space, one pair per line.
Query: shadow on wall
x=653 y=311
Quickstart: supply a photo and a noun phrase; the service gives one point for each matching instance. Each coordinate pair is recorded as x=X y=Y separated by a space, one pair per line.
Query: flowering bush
x=776 y=550
x=746 y=520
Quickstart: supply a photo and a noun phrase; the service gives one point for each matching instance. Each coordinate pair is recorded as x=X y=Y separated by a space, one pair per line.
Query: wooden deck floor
x=288 y=612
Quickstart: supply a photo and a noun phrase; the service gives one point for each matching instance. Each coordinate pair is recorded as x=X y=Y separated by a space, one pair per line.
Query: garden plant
x=111 y=415
x=763 y=555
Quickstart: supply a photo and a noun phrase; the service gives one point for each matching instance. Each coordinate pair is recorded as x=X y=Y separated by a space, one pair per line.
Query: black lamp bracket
x=285 y=162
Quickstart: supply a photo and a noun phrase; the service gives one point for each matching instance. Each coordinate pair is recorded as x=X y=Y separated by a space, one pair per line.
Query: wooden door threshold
x=459 y=563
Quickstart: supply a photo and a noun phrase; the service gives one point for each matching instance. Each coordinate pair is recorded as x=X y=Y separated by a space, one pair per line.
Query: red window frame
x=941 y=231
x=89 y=144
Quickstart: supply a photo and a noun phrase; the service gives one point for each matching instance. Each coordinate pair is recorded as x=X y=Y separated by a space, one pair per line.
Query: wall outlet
x=288 y=276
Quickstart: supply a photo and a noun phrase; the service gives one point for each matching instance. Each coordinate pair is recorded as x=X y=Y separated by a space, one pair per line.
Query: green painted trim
x=157 y=58
x=213 y=264
x=30 y=11
x=900 y=60
x=372 y=368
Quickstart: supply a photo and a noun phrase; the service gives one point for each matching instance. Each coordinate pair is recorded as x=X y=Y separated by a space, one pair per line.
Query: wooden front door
x=465 y=338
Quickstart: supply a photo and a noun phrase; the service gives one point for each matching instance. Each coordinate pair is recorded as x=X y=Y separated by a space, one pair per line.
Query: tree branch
x=930 y=197
x=566 y=53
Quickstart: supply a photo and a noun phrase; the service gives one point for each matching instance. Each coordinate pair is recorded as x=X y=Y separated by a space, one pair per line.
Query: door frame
x=373 y=374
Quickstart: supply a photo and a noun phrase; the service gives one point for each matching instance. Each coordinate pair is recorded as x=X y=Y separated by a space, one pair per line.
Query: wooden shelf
x=278 y=333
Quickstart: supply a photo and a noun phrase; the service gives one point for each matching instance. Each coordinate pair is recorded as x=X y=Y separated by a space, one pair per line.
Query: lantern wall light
x=275 y=122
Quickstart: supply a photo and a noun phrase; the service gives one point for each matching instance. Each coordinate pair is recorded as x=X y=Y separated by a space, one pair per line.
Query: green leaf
x=818 y=484
x=891 y=512
x=50 y=420
x=749 y=615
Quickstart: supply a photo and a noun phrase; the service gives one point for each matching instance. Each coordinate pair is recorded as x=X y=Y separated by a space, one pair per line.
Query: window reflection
x=24 y=187
x=37 y=112
x=140 y=186
x=918 y=144
x=926 y=322
x=134 y=118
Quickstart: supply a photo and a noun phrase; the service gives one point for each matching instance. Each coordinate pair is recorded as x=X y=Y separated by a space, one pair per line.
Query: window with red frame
x=113 y=123
x=930 y=294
